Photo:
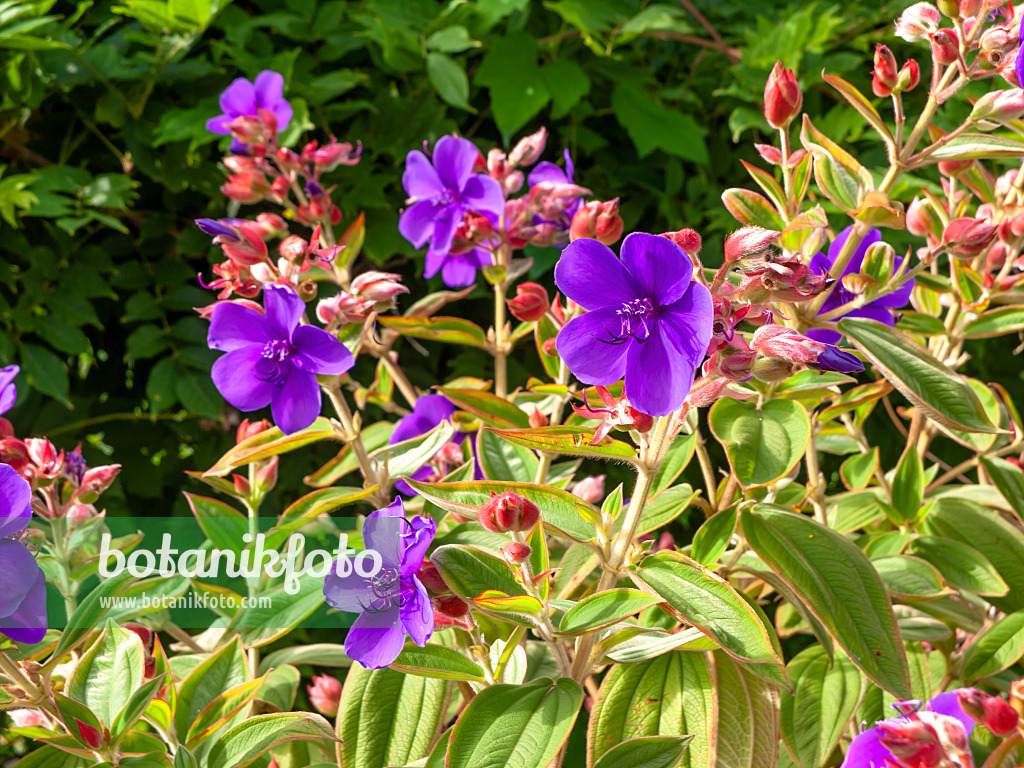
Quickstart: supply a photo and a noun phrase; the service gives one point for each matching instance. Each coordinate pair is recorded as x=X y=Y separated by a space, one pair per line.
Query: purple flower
x=648 y=321
x=392 y=602
x=244 y=98
x=1018 y=65
x=272 y=360
x=835 y=359
x=429 y=411
x=942 y=719
x=23 y=598
x=549 y=172
x=439 y=195
x=880 y=309
x=8 y=392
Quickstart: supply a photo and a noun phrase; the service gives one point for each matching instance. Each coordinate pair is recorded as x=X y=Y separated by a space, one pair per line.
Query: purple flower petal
x=233 y=326
x=295 y=404
x=429 y=411
x=824 y=335
x=866 y=751
x=454 y=159
x=445 y=225
x=458 y=270
x=949 y=704
x=658 y=378
x=570 y=169
x=482 y=193
x=239 y=380
x=349 y=593
x=417 y=613
x=689 y=323
x=317 y=351
x=8 y=392
x=376 y=639
x=873 y=236
x=585 y=347
x=239 y=98
x=835 y=359
x=383 y=532
x=820 y=263
x=283 y=309
x=17 y=568
x=269 y=89
x=415 y=543
x=546 y=172
x=873 y=312
x=1018 y=65
x=589 y=274
x=417 y=222
x=28 y=623
x=15 y=502
x=898 y=298
x=219 y=124
x=283 y=113
x=659 y=266
x=420 y=179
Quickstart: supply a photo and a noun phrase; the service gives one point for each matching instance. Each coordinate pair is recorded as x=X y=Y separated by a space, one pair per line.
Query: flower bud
x=293 y=249
x=509 y=512
x=966 y=238
x=145 y=633
x=149 y=667
x=769 y=154
x=969 y=8
x=782 y=97
x=431 y=578
x=516 y=553
x=549 y=347
x=95 y=481
x=768 y=369
x=991 y=711
x=272 y=225
x=531 y=302
x=885 y=70
x=687 y=239
x=999 y=107
x=249 y=429
x=88 y=735
x=590 y=489
x=917 y=22
x=747 y=242
x=537 y=419
x=878 y=262
x=920 y=220
x=325 y=694
x=266 y=476
x=950 y=8
x=910 y=76
x=451 y=606
x=597 y=220
x=379 y=287
x=529 y=149
x=945 y=46
x=27 y=718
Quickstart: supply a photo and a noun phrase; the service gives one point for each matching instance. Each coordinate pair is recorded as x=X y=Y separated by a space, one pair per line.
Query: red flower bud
x=509 y=512
x=431 y=578
x=538 y=419
x=145 y=633
x=991 y=711
x=531 y=302
x=687 y=239
x=325 y=694
x=452 y=607
x=516 y=553
x=885 y=67
x=782 y=97
x=249 y=429
x=966 y=238
x=89 y=735
x=149 y=667
x=910 y=76
x=945 y=46
x=598 y=220
x=769 y=154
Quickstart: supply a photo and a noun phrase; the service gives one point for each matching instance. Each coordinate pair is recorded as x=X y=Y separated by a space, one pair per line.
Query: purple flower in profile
x=940 y=726
x=880 y=309
x=549 y=172
x=838 y=360
x=648 y=321
x=272 y=360
x=244 y=98
x=23 y=598
x=392 y=602
x=8 y=392
x=440 y=194
x=429 y=411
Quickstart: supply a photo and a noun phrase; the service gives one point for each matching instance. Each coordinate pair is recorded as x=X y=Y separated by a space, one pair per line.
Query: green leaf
x=977 y=145
x=942 y=395
x=515 y=724
x=568 y=441
x=321 y=654
x=664 y=509
x=909 y=578
x=271 y=442
x=494 y=411
x=748 y=717
x=315 y=503
x=450 y=80
x=136 y=705
x=858 y=469
x=471 y=572
x=91 y=611
x=109 y=673
x=646 y=752
x=960 y=564
x=559 y=510
x=220 y=672
x=45 y=372
x=995 y=322
x=652 y=126
x=280 y=688
x=257 y=735
x=859 y=102
x=763 y=444
x=505 y=460
x=999 y=542
x=406 y=457
x=263 y=624
x=671 y=695
x=511 y=74
x=712 y=538
x=751 y=209
x=824 y=700
x=451 y=330
x=710 y=604
x=437 y=661
x=603 y=609
x=996 y=648
x=567 y=83
x=838 y=584
x=677 y=458
x=908 y=486
x=220 y=712
x=1008 y=478
x=388 y=718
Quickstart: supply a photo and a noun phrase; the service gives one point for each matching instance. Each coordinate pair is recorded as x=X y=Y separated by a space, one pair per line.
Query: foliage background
x=105 y=162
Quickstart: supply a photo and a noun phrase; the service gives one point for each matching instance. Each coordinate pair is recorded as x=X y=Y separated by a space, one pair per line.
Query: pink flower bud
x=271 y=225
x=537 y=419
x=88 y=735
x=919 y=218
x=325 y=694
x=345 y=308
x=378 y=287
x=266 y=476
x=885 y=70
x=999 y=106
x=769 y=154
x=782 y=97
x=530 y=303
x=909 y=77
x=784 y=343
x=529 y=149
x=27 y=718
x=966 y=238
x=590 y=489
x=248 y=249
x=687 y=239
x=451 y=453
x=598 y=220
x=249 y=429
x=917 y=22
x=293 y=249
x=509 y=512
x=945 y=46
x=969 y=8
x=516 y=553
x=748 y=241
x=96 y=481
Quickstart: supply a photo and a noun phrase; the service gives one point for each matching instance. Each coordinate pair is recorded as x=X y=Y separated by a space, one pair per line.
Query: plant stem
x=349 y=433
x=500 y=344
x=546 y=628
x=816 y=480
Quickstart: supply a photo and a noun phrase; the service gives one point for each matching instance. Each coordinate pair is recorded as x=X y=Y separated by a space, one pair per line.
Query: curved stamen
x=273 y=366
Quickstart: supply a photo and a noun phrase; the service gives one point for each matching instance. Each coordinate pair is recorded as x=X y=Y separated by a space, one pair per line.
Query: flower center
x=447 y=197
x=386 y=587
x=634 y=317
x=273 y=365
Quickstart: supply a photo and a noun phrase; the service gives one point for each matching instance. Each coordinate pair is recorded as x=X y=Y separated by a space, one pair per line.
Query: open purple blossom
x=392 y=602
x=648 y=321
x=244 y=98
x=8 y=391
x=941 y=727
x=440 y=193
x=23 y=598
x=273 y=360
x=880 y=309
x=429 y=411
